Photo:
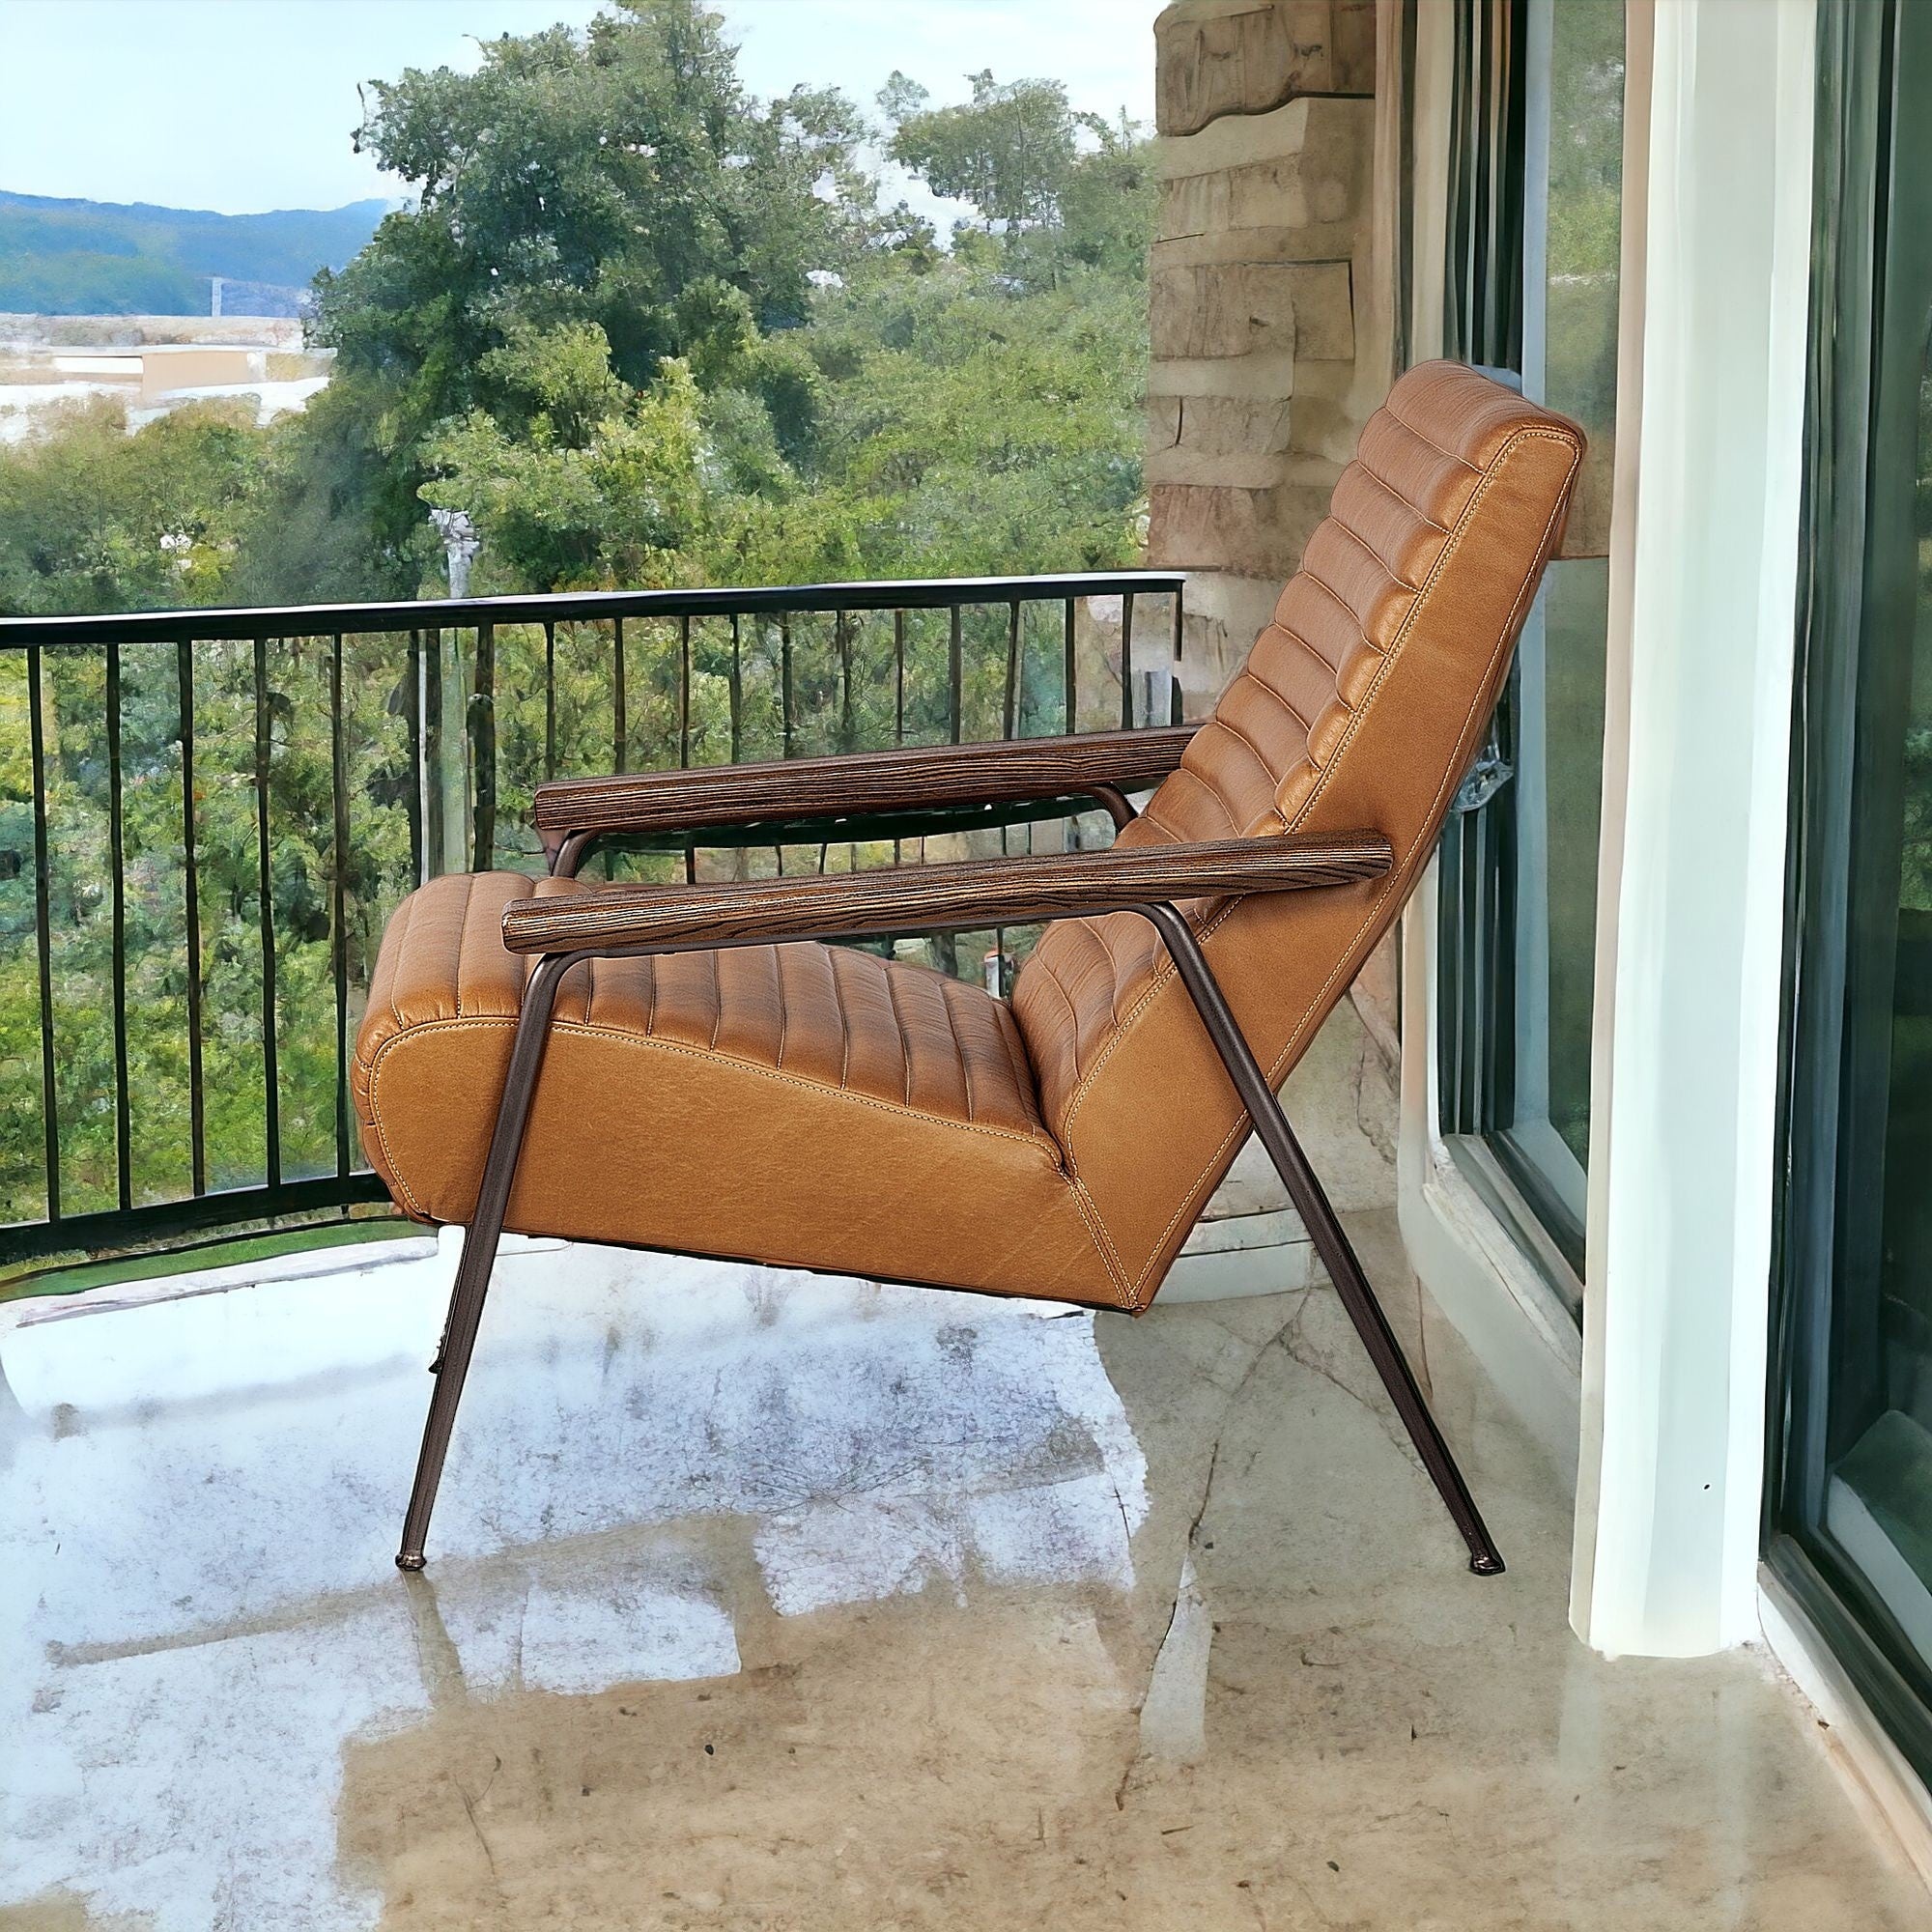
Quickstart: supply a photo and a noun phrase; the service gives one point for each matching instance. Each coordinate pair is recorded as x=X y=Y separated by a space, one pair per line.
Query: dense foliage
x=648 y=330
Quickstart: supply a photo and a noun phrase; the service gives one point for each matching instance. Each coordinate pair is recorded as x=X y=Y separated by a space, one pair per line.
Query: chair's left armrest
x=609 y=919
x=912 y=778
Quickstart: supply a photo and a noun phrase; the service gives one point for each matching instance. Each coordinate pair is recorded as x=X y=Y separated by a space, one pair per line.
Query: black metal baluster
x=338 y=764
x=946 y=945
x=550 y=698
x=1175 y=708
x=898 y=676
x=417 y=766
x=898 y=705
x=737 y=692
x=956 y=677
x=197 y=1105
x=784 y=711
x=1012 y=669
x=1069 y=669
x=1009 y=721
x=1127 y=661
x=684 y=729
x=43 y=935
x=483 y=752
x=271 y=1095
x=123 y=1137
x=848 y=734
x=434 y=849
x=620 y=723
x=1069 y=826
x=785 y=681
x=684 y=692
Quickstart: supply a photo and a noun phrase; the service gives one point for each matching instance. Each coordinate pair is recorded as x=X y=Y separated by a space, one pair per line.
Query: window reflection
x=1878 y=1498
x=1518 y=1013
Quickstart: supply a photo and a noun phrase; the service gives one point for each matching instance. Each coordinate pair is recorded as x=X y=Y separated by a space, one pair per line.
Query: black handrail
x=322 y=620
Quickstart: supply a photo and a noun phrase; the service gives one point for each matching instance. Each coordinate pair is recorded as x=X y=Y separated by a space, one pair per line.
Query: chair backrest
x=1359 y=708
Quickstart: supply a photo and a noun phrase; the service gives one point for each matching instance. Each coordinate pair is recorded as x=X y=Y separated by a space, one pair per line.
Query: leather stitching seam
x=1342 y=604
x=785 y=1017
x=1255 y=677
x=905 y=1044
x=1375 y=556
x=1229 y=726
x=408 y=908
x=463 y=934
x=1027 y=1138
x=1103 y=1243
x=1024 y=1083
x=1213 y=791
x=1395 y=496
x=960 y=1052
x=1396 y=417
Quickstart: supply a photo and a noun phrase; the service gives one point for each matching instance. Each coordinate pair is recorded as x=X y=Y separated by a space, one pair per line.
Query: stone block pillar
x=1267 y=113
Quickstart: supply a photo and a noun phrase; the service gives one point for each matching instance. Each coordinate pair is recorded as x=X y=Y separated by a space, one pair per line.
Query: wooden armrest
x=929 y=899
x=859 y=784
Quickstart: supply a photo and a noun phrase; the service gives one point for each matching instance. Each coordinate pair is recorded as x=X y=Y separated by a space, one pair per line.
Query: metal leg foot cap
x=411 y=1561
x=1483 y=1566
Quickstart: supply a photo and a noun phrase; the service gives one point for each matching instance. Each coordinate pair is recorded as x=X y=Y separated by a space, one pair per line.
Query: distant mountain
x=110 y=257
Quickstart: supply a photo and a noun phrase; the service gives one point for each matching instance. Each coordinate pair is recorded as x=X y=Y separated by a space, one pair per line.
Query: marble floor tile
x=771 y=1603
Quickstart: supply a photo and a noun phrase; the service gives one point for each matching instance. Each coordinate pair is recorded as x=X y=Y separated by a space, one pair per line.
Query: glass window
x=1877 y=1500
x=1853 y=1495
x=1519 y=861
x=1870 y=1497
x=1560 y=708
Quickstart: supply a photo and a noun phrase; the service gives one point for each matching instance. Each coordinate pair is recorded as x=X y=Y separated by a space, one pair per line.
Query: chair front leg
x=479 y=1246
x=1325 y=1231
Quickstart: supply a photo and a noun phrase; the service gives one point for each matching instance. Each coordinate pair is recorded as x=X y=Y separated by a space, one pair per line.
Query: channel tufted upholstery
x=1361 y=704
x=736 y=1102
x=821 y=1107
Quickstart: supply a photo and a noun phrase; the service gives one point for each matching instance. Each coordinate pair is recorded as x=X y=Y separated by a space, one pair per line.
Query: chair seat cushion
x=806 y=1105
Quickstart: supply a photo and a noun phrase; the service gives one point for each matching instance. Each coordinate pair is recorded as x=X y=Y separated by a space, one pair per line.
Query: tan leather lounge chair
x=694 y=1067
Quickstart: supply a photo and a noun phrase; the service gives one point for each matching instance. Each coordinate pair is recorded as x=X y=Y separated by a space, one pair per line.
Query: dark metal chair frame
x=615 y=920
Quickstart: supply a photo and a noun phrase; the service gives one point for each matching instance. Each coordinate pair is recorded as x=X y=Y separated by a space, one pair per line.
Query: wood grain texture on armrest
x=927 y=898
x=862 y=782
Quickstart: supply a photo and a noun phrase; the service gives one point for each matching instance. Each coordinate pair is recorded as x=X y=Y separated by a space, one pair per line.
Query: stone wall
x=1219 y=57
x=1258 y=275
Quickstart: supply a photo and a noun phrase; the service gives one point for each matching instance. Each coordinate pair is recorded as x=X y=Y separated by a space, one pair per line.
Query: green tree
x=311 y=530
x=1109 y=202
x=1008 y=151
x=95 y=518
x=571 y=501
x=581 y=181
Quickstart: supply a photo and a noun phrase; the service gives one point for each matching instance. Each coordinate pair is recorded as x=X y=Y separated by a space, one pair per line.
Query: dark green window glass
x=1851 y=1510
x=1519 y=860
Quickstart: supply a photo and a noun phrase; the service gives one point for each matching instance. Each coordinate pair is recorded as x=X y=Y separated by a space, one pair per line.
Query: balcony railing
x=207 y=815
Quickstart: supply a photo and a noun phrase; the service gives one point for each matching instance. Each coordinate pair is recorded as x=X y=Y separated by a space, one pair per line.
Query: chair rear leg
x=479 y=1250
x=1331 y=1242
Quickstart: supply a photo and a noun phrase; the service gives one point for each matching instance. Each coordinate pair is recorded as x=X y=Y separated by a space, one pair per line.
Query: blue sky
x=249 y=104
